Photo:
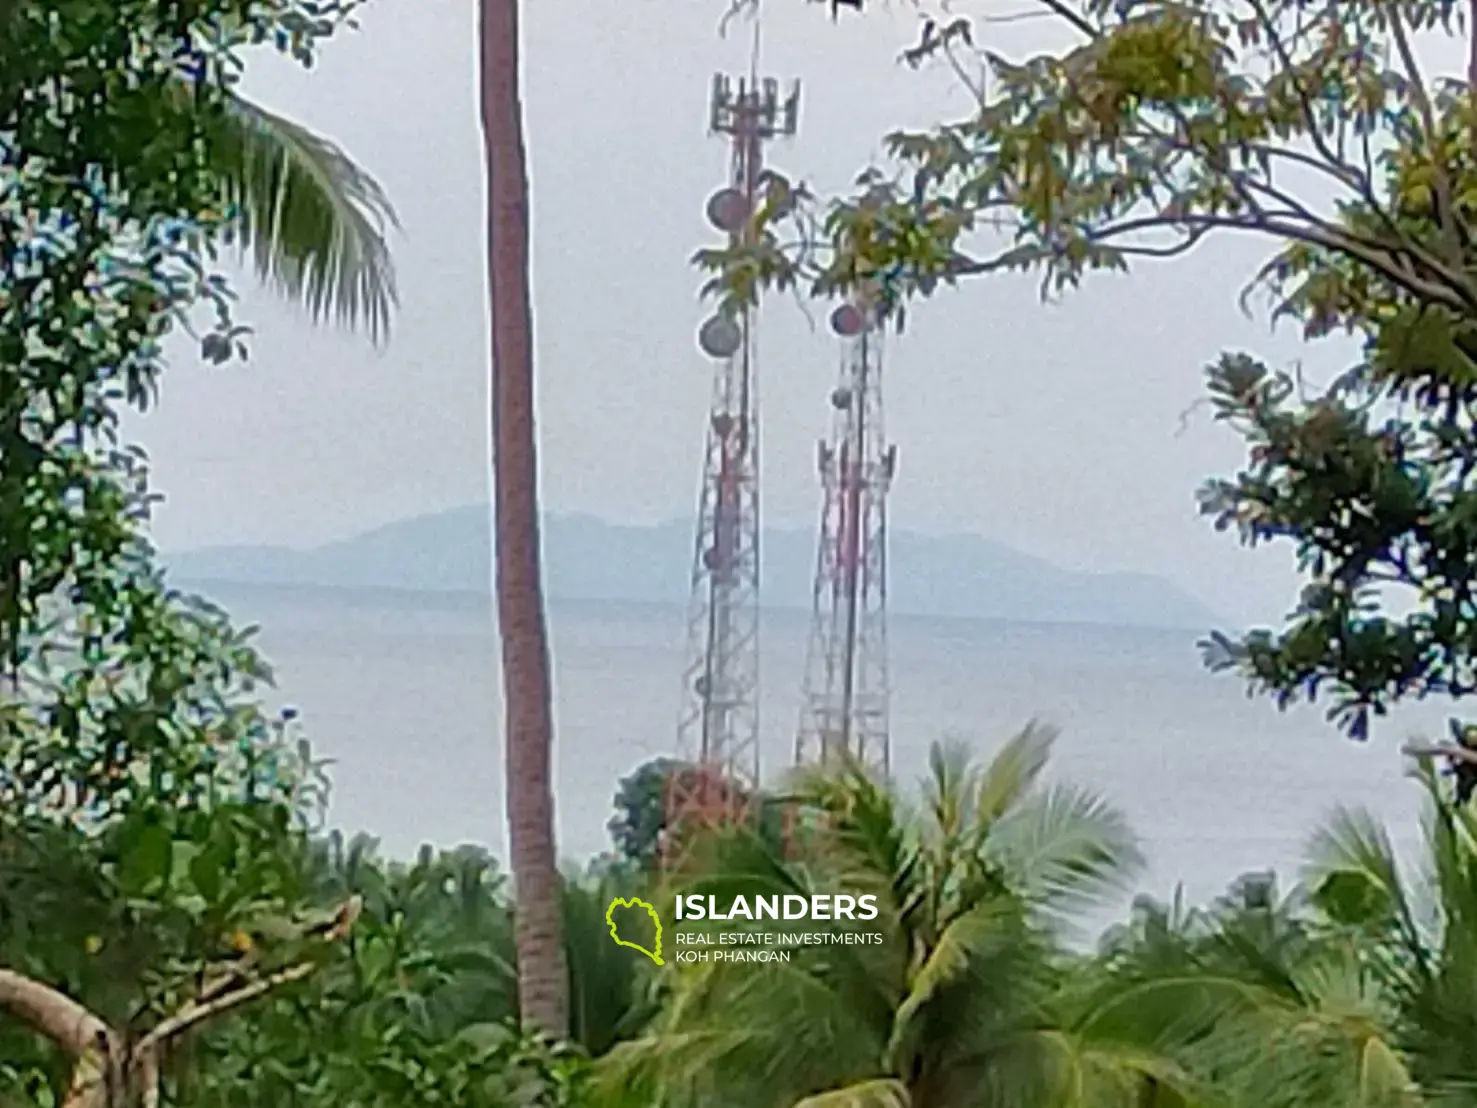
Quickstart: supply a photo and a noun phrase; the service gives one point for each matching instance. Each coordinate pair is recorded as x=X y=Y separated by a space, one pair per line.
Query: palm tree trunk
x=543 y=986
x=1472 y=49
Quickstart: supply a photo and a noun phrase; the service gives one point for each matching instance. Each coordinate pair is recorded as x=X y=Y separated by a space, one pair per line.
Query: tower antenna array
x=718 y=725
x=846 y=693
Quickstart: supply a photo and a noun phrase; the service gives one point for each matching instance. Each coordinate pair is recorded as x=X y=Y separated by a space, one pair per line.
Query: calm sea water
x=402 y=690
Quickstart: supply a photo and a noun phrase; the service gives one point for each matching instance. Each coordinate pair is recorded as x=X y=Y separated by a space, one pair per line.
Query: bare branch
x=234 y=994
x=146 y=1076
x=64 y=1021
x=1441 y=750
x=1073 y=18
x=194 y=1014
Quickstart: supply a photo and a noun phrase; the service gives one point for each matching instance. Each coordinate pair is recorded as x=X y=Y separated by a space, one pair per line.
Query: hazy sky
x=1054 y=428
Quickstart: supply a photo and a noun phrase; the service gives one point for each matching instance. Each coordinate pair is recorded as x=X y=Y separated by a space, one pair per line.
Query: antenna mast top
x=753 y=107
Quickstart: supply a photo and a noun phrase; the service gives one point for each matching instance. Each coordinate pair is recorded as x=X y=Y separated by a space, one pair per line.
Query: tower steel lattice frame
x=847 y=692
x=718 y=729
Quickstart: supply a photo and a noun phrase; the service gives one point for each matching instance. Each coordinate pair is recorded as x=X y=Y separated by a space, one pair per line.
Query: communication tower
x=846 y=690
x=718 y=725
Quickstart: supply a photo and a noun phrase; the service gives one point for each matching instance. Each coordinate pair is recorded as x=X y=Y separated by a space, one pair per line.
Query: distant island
x=588 y=559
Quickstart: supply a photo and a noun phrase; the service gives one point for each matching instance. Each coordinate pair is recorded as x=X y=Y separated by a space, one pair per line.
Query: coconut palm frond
x=672 y=1067
x=866 y=842
x=786 y=1031
x=1067 y=849
x=1381 y=1075
x=1352 y=840
x=981 y=935
x=1157 y=939
x=1013 y=772
x=1163 y=1016
x=948 y=787
x=1052 y=1066
x=1084 y=1074
x=878 y=1093
x=312 y=220
x=1235 y=1041
x=1356 y=879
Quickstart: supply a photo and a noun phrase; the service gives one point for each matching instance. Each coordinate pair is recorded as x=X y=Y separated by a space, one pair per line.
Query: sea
x=401 y=690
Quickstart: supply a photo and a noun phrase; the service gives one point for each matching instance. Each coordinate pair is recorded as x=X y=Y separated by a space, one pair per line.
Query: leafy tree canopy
x=1309 y=122
x=640 y=810
x=154 y=872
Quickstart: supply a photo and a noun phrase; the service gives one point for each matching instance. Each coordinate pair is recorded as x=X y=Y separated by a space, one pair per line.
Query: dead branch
x=1441 y=750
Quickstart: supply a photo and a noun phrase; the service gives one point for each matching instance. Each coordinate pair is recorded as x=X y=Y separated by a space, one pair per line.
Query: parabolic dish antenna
x=848 y=321
x=727 y=210
x=720 y=337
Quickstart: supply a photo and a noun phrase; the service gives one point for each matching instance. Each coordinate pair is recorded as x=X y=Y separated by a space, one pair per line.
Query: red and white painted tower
x=846 y=692
x=718 y=727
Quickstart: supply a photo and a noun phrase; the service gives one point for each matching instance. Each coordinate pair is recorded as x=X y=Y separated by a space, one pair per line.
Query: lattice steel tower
x=846 y=692
x=718 y=728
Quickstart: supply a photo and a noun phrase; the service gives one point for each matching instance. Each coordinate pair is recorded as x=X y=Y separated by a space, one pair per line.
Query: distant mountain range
x=587 y=559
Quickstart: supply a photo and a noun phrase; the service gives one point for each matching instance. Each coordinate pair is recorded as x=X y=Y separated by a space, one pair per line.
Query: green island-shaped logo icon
x=656 y=921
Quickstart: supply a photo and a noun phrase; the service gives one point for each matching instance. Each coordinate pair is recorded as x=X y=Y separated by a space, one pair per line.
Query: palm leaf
x=1356 y=878
x=865 y=846
x=312 y=220
x=1252 y=1039
x=1382 y=1077
x=1066 y=850
x=1163 y=1016
x=947 y=787
x=1012 y=773
x=673 y=1066
x=1053 y=1066
x=878 y=1093
x=979 y=935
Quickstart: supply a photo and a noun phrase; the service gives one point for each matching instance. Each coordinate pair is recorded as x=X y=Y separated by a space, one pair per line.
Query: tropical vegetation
x=177 y=923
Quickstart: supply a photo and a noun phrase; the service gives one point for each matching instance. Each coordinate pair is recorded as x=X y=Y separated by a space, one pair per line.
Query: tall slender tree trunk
x=1472 y=48
x=543 y=983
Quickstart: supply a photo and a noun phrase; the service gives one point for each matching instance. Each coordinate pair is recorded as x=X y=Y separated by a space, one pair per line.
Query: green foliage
x=969 y=888
x=155 y=861
x=1313 y=125
x=152 y=815
x=612 y=995
x=639 y=829
x=314 y=222
x=422 y=1008
x=1165 y=120
x=110 y=217
x=1370 y=479
x=1352 y=989
x=1378 y=506
x=640 y=811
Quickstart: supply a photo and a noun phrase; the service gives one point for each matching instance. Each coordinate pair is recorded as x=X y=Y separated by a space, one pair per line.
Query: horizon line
x=487 y=595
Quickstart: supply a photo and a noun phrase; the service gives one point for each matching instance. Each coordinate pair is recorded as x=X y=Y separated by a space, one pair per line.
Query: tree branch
x=61 y=1019
x=1441 y=750
x=1450 y=223
x=1077 y=21
x=194 y=1014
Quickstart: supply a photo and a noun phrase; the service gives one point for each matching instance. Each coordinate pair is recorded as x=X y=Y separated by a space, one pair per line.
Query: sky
x=1057 y=428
